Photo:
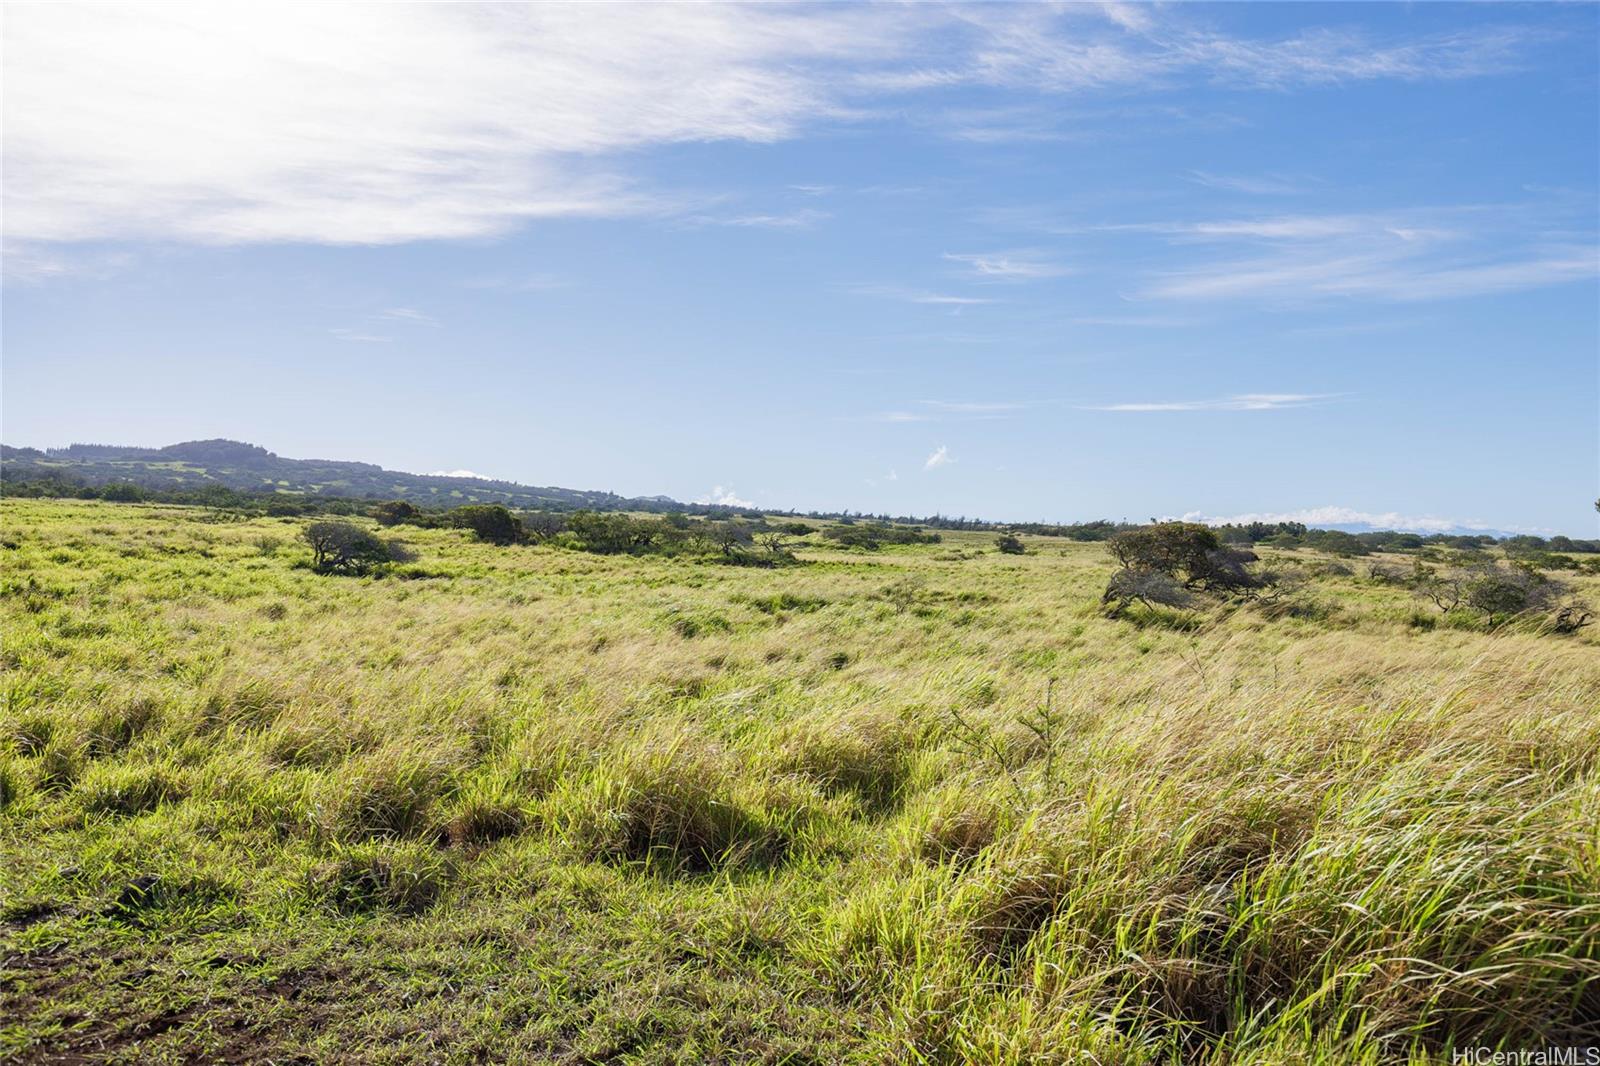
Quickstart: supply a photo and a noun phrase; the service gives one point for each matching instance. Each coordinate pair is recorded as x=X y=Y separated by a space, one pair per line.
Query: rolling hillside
x=249 y=467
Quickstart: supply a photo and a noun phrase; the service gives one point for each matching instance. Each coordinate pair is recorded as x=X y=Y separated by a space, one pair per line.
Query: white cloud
x=801 y=219
x=940 y=457
x=899 y=416
x=1024 y=49
x=971 y=407
x=1326 y=517
x=1322 y=273
x=28 y=263
x=409 y=314
x=357 y=123
x=342 y=123
x=724 y=497
x=1250 y=401
x=1260 y=185
x=1403 y=256
x=919 y=296
x=1009 y=266
x=360 y=337
x=459 y=473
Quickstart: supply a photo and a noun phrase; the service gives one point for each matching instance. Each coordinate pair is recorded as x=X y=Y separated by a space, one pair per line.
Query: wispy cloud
x=1258 y=185
x=459 y=473
x=898 y=416
x=940 y=457
x=789 y=220
x=920 y=296
x=1009 y=266
x=411 y=122
x=1428 y=253
x=1250 y=401
x=360 y=336
x=1314 y=274
x=409 y=315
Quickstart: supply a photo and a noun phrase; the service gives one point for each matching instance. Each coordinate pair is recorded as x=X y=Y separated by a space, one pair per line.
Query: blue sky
x=1022 y=262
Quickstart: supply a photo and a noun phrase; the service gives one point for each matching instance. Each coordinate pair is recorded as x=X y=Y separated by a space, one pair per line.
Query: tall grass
x=531 y=804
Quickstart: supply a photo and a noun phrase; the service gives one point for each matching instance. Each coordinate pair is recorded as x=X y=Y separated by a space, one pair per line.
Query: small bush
x=490 y=523
x=397 y=512
x=1009 y=545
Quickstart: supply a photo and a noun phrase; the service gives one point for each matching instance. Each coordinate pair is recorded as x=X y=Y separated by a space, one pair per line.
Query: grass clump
x=401 y=876
x=389 y=794
x=128 y=790
x=486 y=809
x=868 y=758
x=672 y=812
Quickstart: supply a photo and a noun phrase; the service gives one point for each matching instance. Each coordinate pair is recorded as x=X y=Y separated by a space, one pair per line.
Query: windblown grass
x=526 y=804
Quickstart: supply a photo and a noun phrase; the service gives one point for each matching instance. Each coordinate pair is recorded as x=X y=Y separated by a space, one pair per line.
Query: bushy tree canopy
x=346 y=548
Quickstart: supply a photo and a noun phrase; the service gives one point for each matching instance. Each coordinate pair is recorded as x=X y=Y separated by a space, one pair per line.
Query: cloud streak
x=1009 y=266
x=1249 y=401
x=921 y=296
x=1413 y=255
x=341 y=123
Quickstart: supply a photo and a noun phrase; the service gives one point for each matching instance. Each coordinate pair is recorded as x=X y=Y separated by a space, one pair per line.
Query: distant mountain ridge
x=232 y=464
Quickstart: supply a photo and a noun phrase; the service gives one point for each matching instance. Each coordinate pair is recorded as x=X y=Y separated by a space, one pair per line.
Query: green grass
x=531 y=805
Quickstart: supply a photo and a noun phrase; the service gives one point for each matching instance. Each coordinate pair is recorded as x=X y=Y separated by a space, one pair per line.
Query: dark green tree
x=346 y=548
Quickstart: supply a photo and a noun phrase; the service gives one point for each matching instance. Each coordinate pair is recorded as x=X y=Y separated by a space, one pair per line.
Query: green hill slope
x=250 y=468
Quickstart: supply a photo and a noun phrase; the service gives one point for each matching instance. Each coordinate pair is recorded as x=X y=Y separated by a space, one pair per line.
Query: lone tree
x=346 y=548
x=1187 y=552
x=1163 y=562
x=729 y=538
x=489 y=522
x=1149 y=587
x=396 y=512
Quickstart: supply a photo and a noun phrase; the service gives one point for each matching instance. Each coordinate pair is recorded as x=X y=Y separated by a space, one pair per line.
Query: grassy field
x=526 y=804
